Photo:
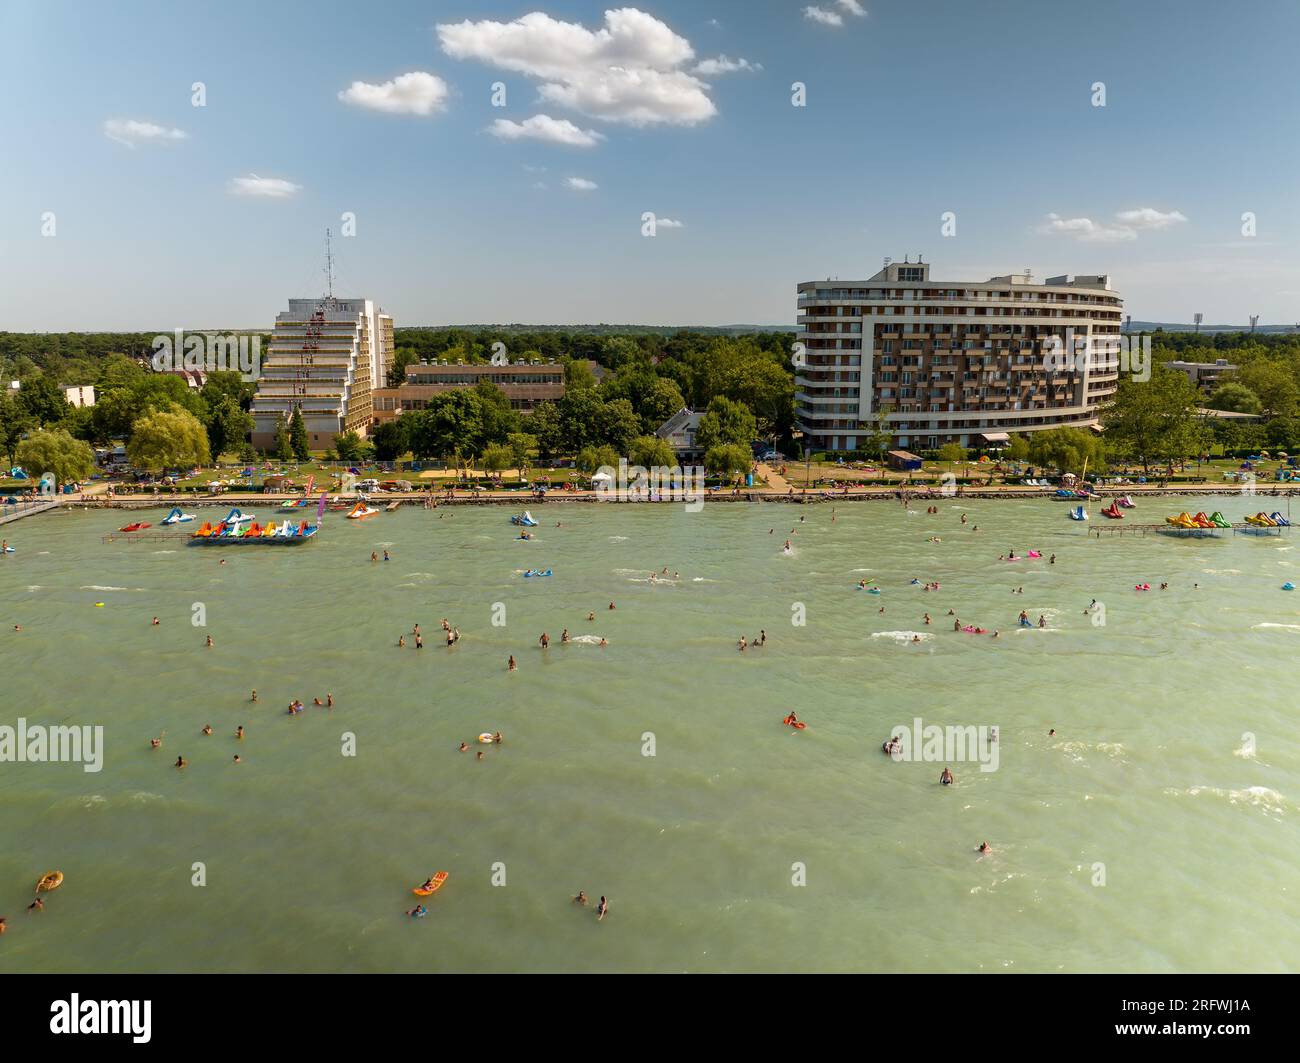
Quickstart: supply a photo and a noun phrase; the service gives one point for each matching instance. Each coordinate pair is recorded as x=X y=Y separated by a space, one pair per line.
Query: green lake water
x=1157 y=830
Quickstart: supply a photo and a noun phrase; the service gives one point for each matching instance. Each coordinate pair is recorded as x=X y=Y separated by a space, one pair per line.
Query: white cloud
x=1150 y=218
x=413 y=93
x=669 y=223
x=534 y=169
x=580 y=184
x=544 y=127
x=628 y=71
x=1127 y=225
x=820 y=14
x=834 y=18
x=724 y=65
x=264 y=187
x=130 y=131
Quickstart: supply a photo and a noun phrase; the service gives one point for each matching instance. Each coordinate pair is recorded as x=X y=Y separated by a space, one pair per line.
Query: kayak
x=137 y=526
x=51 y=880
x=437 y=881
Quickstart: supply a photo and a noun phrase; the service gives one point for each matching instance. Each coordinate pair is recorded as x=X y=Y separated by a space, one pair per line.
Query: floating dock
x=1118 y=528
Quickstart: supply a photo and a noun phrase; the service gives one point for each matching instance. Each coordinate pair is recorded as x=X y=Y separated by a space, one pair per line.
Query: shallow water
x=310 y=854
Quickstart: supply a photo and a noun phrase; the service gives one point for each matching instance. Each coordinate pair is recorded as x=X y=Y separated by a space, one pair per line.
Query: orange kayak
x=437 y=882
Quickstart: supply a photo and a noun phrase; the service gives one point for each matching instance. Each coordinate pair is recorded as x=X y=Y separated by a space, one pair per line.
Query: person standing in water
x=601 y=909
x=510 y=666
x=946 y=778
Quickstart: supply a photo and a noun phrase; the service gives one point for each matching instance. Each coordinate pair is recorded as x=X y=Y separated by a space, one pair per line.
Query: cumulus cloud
x=264 y=187
x=1150 y=218
x=1125 y=227
x=545 y=128
x=413 y=93
x=580 y=184
x=820 y=14
x=629 y=71
x=724 y=65
x=669 y=223
x=131 y=131
x=834 y=18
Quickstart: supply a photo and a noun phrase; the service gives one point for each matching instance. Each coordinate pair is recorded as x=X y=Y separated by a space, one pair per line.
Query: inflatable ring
x=1288 y=586
x=485 y=737
x=51 y=880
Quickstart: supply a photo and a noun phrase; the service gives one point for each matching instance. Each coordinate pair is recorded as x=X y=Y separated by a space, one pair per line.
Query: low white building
x=79 y=394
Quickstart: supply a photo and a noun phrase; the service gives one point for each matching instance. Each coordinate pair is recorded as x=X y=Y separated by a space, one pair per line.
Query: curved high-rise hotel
x=952 y=361
x=326 y=357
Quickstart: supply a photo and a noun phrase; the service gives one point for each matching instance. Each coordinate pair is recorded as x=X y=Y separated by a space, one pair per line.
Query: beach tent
x=601 y=477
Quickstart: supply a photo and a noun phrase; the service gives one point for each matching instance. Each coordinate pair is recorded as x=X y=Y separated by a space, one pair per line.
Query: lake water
x=1152 y=832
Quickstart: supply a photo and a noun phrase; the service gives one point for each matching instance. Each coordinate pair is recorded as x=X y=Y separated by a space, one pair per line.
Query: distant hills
x=1151 y=326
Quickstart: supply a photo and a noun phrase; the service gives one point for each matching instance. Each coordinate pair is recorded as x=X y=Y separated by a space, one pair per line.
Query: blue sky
x=913 y=109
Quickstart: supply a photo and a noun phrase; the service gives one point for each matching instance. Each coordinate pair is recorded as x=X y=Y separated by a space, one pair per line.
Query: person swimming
x=510 y=665
x=180 y=762
x=418 y=912
x=985 y=847
x=601 y=909
x=207 y=729
x=581 y=898
x=947 y=778
x=464 y=747
x=239 y=732
x=564 y=636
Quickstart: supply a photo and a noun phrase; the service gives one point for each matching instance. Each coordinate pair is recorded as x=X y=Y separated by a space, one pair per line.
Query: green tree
x=546 y=423
x=298 y=435
x=649 y=451
x=282 y=449
x=117 y=371
x=14 y=423
x=1235 y=397
x=578 y=375
x=879 y=432
x=1273 y=383
x=521 y=445
x=726 y=423
x=42 y=400
x=589 y=459
x=450 y=425
x=396 y=374
x=1017 y=448
x=351 y=447
x=1154 y=420
x=1066 y=449
x=228 y=426
x=952 y=452
x=617 y=424
x=389 y=439
x=168 y=439
x=55 y=451
x=496 y=457
x=727 y=460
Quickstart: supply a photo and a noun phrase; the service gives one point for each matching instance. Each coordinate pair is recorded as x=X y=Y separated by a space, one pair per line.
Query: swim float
x=1288 y=586
x=51 y=880
x=435 y=884
x=485 y=737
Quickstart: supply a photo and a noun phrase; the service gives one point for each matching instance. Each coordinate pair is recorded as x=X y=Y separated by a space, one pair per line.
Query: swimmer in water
x=916 y=638
x=510 y=665
x=985 y=847
x=239 y=732
x=207 y=728
x=742 y=644
x=237 y=759
x=37 y=905
x=544 y=641
x=155 y=621
x=329 y=701
x=762 y=637
x=480 y=755
x=601 y=909
x=1042 y=620
x=611 y=605
x=155 y=743
x=497 y=738
x=1051 y=733
x=180 y=762
x=317 y=701
x=254 y=697
x=464 y=747
x=946 y=778
x=1052 y=560
x=385 y=555
x=603 y=642
x=927 y=618
x=209 y=640
x=581 y=898
x=401 y=642
x=564 y=636
x=591 y=616
x=419 y=642
x=374 y=556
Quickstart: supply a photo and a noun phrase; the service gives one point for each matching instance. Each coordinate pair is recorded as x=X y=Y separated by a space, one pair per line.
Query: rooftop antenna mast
x=329 y=269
